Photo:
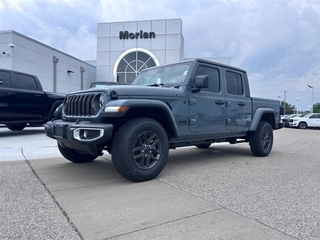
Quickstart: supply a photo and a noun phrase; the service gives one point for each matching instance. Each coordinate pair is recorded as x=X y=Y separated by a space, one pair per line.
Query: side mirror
x=201 y=81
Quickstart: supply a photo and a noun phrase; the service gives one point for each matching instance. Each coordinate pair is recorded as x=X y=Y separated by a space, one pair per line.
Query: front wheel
x=140 y=149
x=74 y=156
x=261 y=140
x=302 y=125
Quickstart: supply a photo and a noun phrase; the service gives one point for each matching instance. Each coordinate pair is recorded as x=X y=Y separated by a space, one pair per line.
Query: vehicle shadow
x=25 y=132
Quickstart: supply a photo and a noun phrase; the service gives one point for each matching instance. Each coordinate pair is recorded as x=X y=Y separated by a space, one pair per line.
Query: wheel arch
x=263 y=114
x=154 y=109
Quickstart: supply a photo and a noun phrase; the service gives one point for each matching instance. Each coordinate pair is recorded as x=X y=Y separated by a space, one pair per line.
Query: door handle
x=10 y=93
x=219 y=102
x=241 y=103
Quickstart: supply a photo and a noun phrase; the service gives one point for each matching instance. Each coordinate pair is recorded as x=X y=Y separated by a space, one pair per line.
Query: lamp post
x=297 y=100
x=311 y=97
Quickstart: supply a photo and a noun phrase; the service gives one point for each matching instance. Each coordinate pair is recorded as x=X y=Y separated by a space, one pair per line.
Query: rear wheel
x=140 y=149
x=16 y=127
x=74 y=156
x=261 y=140
x=302 y=125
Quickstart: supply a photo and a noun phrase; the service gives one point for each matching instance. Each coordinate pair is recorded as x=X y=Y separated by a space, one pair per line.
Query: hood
x=55 y=95
x=134 y=90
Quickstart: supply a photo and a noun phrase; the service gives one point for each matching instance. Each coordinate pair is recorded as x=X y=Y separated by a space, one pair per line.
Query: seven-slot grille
x=79 y=105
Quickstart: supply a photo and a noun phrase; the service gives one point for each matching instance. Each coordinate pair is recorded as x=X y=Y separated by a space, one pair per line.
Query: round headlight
x=102 y=100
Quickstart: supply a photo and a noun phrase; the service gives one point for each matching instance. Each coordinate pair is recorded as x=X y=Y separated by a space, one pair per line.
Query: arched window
x=132 y=63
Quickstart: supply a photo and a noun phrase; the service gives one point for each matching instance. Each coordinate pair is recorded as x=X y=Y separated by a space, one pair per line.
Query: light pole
x=311 y=97
x=297 y=100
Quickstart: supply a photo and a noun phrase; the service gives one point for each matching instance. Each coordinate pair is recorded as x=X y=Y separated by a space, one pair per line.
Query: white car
x=311 y=120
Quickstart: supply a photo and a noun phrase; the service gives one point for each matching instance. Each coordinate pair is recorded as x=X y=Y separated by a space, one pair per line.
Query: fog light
x=88 y=134
x=85 y=133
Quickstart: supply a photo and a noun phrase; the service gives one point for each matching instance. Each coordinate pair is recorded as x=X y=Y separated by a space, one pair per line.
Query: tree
x=289 y=109
x=316 y=107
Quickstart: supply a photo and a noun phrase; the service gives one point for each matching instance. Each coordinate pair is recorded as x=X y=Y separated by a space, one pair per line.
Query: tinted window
x=315 y=116
x=5 y=79
x=214 y=80
x=25 y=82
x=234 y=83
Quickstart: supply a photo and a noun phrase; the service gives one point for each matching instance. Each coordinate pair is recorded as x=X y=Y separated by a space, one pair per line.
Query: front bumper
x=293 y=124
x=82 y=136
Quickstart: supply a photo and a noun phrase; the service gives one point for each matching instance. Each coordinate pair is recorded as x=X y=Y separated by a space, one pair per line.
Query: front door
x=206 y=107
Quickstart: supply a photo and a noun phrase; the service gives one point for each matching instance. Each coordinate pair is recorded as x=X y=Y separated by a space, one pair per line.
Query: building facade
x=57 y=71
x=126 y=48
x=123 y=50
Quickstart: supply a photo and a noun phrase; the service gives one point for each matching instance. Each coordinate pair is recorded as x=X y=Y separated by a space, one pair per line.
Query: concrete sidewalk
x=43 y=196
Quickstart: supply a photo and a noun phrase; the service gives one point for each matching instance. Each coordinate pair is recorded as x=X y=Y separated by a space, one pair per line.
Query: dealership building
x=123 y=50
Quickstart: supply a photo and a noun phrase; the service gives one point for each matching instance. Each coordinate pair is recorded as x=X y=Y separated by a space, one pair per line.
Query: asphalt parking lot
x=223 y=192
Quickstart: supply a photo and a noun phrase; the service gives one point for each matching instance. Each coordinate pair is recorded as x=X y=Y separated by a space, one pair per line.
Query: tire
x=261 y=140
x=16 y=127
x=74 y=156
x=204 y=145
x=302 y=125
x=140 y=149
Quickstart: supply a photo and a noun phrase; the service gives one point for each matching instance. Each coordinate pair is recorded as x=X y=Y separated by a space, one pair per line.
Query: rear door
x=6 y=96
x=206 y=107
x=238 y=102
x=29 y=100
x=314 y=120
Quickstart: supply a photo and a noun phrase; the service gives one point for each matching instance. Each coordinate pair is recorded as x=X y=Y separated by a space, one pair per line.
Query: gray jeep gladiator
x=190 y=103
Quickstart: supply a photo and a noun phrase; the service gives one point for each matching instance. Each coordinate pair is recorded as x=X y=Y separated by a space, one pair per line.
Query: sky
x=276 y=41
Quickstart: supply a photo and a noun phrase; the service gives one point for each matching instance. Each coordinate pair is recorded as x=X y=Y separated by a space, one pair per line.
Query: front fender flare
x=132 y=103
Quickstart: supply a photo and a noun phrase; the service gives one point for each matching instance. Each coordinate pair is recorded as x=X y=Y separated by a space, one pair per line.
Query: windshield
x=174 y=74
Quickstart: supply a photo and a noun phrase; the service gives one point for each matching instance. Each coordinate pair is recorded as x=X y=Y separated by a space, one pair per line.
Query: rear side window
x=26 y=82
x=234 y=83
x=5 y=81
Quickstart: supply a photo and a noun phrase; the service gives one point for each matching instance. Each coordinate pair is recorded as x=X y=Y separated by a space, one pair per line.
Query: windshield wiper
x=156 y=85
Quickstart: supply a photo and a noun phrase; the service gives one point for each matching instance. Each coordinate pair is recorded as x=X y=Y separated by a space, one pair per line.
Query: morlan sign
x=136 y=35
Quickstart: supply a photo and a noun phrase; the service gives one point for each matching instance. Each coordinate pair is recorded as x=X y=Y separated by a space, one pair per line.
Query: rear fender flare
x=259 y=114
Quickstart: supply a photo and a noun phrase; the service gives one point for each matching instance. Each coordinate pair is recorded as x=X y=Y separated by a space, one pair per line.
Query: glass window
x=234 y=83
x=5 y=81
x=25 y=82
x=132 y=64
x=214 y=79
x=169 y=75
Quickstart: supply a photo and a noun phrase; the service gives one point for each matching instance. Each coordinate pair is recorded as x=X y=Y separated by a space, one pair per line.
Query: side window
x=5 y=81
x=25 y=82
x=214 y=79
x=234 y=83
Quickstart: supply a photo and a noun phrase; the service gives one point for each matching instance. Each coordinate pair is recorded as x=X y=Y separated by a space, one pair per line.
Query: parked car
x=285 y=119
x=311 y=120
x=23 y=101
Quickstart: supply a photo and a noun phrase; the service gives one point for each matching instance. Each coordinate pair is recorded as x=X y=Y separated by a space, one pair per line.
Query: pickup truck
x=190 y=103
x=23 y=101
